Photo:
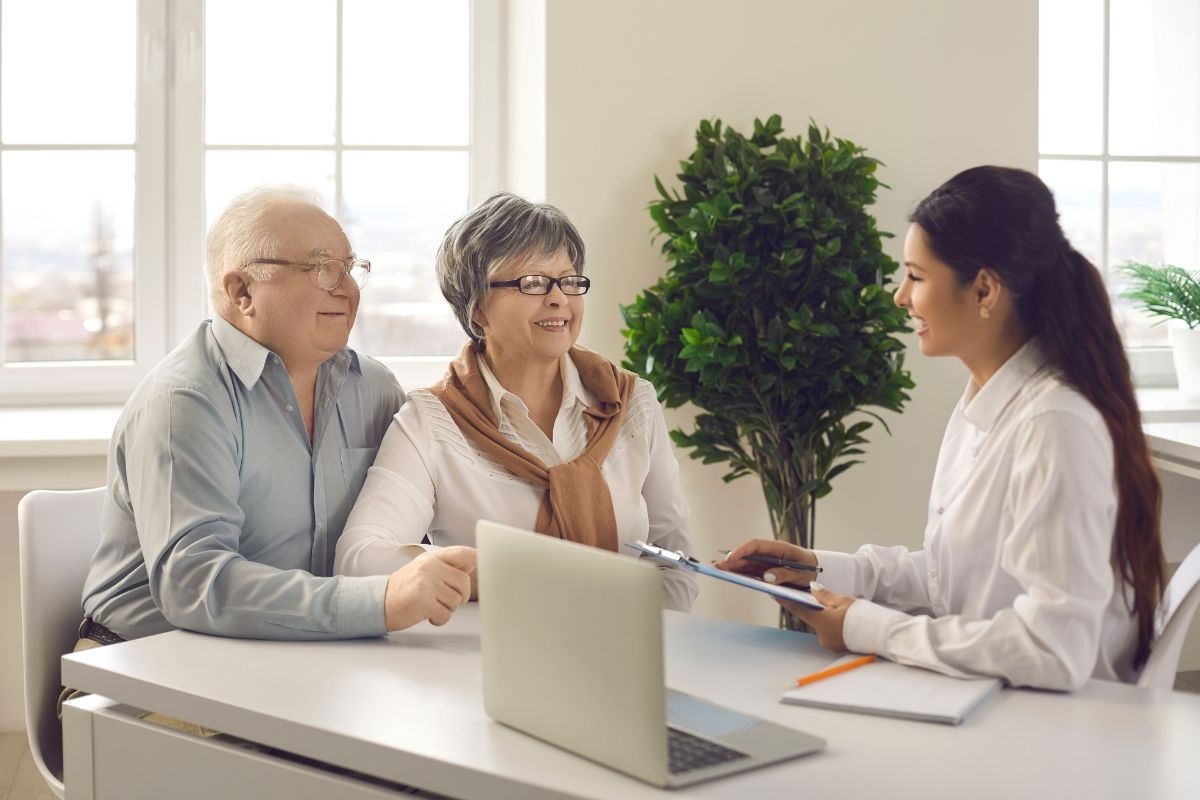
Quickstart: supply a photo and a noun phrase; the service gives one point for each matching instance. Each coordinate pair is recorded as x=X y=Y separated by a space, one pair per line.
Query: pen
x=758 y=558
x=837 y=670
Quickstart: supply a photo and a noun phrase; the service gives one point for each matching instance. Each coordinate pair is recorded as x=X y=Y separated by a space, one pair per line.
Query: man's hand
x=431 y=587
x=827 y=624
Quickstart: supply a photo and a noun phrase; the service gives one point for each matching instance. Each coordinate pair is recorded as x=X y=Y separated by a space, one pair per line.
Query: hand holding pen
x=774 y=562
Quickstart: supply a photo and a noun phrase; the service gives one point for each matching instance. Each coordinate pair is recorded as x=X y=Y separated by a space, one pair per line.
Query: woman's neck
x=983 y=366
x=538 y=384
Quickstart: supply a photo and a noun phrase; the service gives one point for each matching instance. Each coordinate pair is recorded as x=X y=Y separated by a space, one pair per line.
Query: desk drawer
x=132 y=759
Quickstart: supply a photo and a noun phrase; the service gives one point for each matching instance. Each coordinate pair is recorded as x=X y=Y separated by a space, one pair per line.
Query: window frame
x=1152 y=367
x=170 y=292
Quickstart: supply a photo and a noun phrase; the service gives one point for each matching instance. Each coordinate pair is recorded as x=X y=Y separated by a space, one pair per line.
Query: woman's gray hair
x=240 y=235
x=500 y=230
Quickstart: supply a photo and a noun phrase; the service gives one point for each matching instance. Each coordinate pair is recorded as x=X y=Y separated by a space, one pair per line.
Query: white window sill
x=63 y=431
x=35 y=443
x=1166 y=405
x=1172 y=426
x=54 y=447
x=65 y=446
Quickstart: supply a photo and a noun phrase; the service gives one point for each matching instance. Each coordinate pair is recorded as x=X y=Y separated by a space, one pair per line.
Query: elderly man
x=237 y=459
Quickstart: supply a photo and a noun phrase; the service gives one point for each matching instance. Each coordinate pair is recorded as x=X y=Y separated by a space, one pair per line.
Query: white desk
x=408 y=709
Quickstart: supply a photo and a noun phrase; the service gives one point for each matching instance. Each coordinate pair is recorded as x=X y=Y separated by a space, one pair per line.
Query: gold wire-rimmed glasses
x=328 y=273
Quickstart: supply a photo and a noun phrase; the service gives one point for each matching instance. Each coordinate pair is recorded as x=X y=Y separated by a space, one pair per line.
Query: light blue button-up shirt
x=221 y=516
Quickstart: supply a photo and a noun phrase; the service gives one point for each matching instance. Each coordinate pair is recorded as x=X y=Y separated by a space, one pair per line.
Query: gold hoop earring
x=983 y=312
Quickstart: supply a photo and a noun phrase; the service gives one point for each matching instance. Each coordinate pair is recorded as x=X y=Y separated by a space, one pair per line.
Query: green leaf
x=774 y=317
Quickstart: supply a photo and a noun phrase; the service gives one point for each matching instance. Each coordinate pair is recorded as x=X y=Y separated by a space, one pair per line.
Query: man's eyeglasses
x=542 y=284
x=328 y=273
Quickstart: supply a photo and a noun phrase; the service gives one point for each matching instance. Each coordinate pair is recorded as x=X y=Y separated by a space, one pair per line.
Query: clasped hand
x=431 y=587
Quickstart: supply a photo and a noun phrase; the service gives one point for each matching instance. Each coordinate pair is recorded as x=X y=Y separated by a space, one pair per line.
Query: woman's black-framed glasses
x=328 y=273
x=542 y=284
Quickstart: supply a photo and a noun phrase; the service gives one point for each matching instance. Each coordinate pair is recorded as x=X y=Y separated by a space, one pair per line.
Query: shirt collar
x=574 y=392
x=573 y=388
x=247 y=358
x=982 y=406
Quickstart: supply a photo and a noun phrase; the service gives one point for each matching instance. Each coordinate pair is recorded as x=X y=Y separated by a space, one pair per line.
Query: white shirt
x=431 y=480
x=1014 y=579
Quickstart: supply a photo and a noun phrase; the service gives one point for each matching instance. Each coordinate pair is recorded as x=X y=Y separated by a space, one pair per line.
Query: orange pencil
x=831 y=671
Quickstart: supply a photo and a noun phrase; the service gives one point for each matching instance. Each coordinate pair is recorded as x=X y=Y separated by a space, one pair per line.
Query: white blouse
x=1014 y=579
x=429 y=480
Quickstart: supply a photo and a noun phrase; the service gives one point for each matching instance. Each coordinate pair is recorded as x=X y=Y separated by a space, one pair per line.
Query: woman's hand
x=827 y=624
x=736 y=561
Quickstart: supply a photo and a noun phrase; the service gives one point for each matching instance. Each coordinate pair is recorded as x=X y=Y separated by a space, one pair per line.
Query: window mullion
x=338 y=197
x=487 y=100
x=150 y=268
x=188 y=292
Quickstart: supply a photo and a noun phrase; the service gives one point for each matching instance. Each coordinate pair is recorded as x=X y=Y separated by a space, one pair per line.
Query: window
x=126 y=126
x=1119 y=140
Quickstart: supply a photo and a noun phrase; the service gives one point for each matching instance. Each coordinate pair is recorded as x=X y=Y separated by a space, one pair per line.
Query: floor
x=19 y=778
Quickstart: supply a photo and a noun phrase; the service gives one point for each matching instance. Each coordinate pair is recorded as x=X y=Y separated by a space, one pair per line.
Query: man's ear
x=237 y=288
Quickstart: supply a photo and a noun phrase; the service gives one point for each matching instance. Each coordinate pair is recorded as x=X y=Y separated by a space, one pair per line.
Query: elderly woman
x=526 y=428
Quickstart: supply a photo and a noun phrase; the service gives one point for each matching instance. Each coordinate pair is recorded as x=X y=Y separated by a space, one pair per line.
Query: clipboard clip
x=670 y=556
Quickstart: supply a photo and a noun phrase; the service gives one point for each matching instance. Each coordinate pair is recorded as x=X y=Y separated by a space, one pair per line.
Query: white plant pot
x=1185 y=351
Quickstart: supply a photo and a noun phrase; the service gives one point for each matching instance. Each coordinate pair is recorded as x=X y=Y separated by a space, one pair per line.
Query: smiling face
x=287 y=313
x=538 y=328
x=944 y=312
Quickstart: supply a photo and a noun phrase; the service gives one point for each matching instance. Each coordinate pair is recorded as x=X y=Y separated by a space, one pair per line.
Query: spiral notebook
x=894 y=690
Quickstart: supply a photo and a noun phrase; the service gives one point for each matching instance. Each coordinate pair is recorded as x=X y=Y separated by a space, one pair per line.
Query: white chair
x=1180 y=603
x=57 y=534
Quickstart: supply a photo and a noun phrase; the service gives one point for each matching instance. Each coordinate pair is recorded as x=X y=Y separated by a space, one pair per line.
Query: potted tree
x=1172 y=293
x=775 y=318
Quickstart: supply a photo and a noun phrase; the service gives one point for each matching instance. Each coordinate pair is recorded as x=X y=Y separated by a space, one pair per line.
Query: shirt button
x=290 y=407
x=941 y=509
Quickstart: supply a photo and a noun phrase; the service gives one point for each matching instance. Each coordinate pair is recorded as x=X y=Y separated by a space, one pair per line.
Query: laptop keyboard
x=687 y=752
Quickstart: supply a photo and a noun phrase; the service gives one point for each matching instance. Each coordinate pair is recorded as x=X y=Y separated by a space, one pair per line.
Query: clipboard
x=677 y=559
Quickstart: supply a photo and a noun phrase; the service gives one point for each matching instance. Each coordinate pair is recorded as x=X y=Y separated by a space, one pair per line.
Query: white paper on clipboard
x=679 y=559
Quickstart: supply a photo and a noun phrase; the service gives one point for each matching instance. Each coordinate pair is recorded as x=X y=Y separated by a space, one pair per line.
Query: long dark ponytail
x=1005 y=219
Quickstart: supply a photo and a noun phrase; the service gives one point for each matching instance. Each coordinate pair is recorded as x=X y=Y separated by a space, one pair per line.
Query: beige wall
x=12 y=711
x=929 y=87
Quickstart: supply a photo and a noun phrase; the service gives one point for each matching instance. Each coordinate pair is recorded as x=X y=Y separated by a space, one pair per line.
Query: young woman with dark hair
x=1042 y=561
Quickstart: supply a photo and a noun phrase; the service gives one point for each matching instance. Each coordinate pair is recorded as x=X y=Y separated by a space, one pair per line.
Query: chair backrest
x=1180 y=603
x=57 y=534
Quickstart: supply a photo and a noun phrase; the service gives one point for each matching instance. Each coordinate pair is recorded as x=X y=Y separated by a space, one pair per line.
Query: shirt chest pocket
x=355 y=463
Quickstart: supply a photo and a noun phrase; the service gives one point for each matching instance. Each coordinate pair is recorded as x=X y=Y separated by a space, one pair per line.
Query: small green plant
x=775 y=318
x=1166 y=291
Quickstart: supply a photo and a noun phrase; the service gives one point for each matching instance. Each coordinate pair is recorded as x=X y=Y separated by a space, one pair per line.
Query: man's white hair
x=239 y=236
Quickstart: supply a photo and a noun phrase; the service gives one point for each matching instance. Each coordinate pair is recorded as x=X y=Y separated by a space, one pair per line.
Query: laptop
x=572 y=645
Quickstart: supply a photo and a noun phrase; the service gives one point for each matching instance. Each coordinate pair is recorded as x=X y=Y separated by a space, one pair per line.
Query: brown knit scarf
x=577 y=504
